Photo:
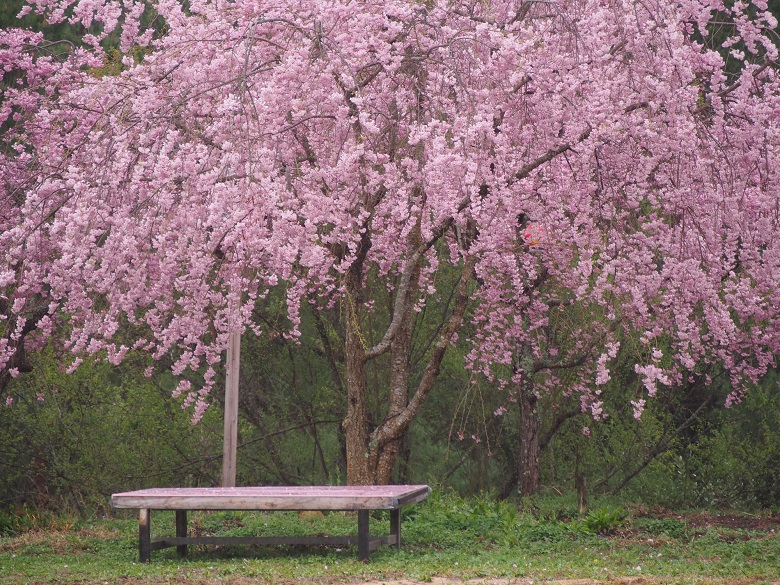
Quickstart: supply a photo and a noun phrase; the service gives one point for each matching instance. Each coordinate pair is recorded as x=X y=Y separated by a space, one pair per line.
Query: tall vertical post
x=231 y=410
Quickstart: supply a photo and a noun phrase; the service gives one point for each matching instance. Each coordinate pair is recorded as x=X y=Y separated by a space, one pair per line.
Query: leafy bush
x=604 y=520
x=7 y=524
x=457 y=519
x=69 y=442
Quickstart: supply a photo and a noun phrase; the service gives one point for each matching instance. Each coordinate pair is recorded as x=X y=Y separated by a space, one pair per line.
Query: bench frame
x=361 y=499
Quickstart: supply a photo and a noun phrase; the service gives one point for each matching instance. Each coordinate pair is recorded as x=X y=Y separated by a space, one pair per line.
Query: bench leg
x=395 y=526
x=181 y=531
x=144 y=535
x=363 y=547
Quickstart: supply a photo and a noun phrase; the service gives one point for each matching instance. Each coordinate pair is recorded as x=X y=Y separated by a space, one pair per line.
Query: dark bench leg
x=181 y=531
x=144 y=535
x=395 y=526
x=363 y=548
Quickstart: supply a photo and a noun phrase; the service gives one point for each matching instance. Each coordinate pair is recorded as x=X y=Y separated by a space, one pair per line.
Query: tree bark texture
x=356 y=423
x=386 y=454
x=528 y=435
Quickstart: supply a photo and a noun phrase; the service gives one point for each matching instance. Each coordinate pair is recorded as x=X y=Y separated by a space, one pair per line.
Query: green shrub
x=604 y=520
x=70 y=441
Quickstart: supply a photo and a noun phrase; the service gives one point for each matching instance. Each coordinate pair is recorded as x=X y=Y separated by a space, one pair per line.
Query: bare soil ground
x=740 y=521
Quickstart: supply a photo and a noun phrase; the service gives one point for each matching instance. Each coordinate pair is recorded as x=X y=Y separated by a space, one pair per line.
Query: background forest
x=68 y=441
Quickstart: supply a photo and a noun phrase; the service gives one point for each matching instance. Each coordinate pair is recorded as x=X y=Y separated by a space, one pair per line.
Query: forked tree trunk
x=386 y=454
x=372 y=455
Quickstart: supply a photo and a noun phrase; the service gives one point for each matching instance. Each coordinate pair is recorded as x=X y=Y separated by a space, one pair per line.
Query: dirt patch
x=734 y=521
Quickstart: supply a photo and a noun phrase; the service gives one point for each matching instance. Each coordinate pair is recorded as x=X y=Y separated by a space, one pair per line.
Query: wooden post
x=181 y=531
x=395 y=526
x=231 y=411
x=144 y=535
x=363 y=535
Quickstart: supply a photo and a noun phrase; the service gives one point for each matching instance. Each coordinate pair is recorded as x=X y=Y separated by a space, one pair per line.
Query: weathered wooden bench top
x=361 y=499
x=376 y=497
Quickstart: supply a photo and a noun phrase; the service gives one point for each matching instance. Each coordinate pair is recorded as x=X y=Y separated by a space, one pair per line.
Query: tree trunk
x=371 y=455
x=386 y=453
x=356 y=423
x=528 y=459
x=528 y=447
x=580 y=483
x=396 y=424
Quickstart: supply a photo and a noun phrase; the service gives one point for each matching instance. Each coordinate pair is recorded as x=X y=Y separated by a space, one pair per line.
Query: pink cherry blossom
x=590 y=171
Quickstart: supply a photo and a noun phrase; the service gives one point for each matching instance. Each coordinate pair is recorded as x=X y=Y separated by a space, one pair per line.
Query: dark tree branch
x=547 y=157
x=662 y=446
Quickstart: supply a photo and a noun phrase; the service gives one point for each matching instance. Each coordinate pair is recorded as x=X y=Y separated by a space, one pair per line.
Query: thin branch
x=547 y=157
x=733 y=87
x=306 y=119
x=557 y=424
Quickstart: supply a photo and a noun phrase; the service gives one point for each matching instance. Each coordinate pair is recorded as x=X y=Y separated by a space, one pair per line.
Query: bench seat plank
x=384 y=497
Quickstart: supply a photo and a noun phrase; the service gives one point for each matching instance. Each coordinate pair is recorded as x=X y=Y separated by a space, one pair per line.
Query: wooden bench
x=361 y=499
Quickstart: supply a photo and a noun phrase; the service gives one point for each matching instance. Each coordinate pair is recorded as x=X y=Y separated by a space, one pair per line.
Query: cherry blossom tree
x=554 y=155
x=34 y=73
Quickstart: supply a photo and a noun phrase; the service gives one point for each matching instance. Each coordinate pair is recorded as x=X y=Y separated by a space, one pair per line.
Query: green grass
x=444 y=537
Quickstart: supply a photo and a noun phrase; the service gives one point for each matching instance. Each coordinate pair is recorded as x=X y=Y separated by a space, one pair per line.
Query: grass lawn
x=446 y=539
